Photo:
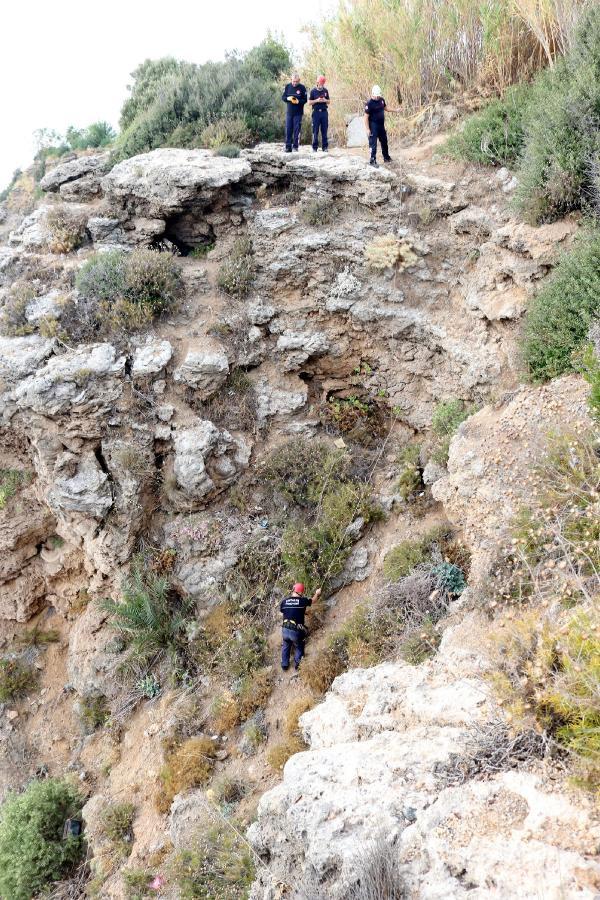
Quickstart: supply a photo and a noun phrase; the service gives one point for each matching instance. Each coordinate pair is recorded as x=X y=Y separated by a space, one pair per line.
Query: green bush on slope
x=494 y=135
x=32 y=850
x=173 y=103
x=559 y=318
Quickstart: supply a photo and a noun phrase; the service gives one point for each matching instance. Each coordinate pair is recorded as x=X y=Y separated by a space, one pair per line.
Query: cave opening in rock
x=189 y=232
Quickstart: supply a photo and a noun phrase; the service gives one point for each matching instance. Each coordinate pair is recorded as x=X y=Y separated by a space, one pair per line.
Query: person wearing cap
x=319 y=100
x=293 y=630
x=375 y=124
x=294 y=96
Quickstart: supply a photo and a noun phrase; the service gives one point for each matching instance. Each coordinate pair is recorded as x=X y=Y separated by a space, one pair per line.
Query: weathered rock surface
x=77 y=179
x=151 y=358
x=87 y=379
x=205 y=371
x=375 y=745
x=164 y=182
x=492 y=457
x=207 y=460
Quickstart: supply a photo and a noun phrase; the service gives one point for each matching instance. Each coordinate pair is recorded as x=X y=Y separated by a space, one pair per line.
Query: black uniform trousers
x=377 y=131
x=320 y=121
x=293 y=124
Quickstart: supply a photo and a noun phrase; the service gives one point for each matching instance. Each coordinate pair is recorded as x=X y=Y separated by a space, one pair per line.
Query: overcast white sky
x=68 y=62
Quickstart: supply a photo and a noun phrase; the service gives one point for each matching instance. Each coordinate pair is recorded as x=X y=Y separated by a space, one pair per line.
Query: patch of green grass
x=16 y=679
x=116 y=824
x=404 y=557
x=494 y=136
x=94 y=711
x=10 y=482
x=33 y=852
x=303 y=471
x=410 y=476
x=220 y=867
x=446 y=418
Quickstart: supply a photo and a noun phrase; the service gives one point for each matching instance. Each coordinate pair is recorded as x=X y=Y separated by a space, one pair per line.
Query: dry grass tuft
x=188 y=766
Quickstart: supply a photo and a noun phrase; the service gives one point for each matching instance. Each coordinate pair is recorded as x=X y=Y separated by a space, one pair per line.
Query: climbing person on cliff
x=375 y=109
x=294 y=97
x=293 y=632
x=319 y=100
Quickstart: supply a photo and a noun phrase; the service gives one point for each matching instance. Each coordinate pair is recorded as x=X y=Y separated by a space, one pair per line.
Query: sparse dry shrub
x=116 y=825
x=66 y=228
x=296 y=708
x=225 y=712
x=493 y=747
x=188 y=765
x=303 y=471
x=318 y=211
x=236 y=273
x=227 y=790
x=376 y=873
x=420 y=644
x=234 y=404
x=94 y=711
x=13 y=319
x=320 y=670
x=17 y=679
x=254 y=692
x=279 y=753
x=219 y=867
x=121 y=292
x=410 y=479
x=548 y=653
x=387 y=251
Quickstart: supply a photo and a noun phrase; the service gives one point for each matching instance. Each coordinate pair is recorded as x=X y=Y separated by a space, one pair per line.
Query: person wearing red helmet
x=293 y=630
x=319 y=100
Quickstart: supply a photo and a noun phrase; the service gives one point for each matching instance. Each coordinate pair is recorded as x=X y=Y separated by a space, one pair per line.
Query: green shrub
x=561 y=130
x=494 y=135
x=122 y=292
x=16 y=679
x=236 y=273
x=451 y=578
x=403 y=558
x=446 y=418
x=410 y=477
x=10 y=482
x=175 y=103
x=33 y=852
x=316 y=554
x=149 y=618
x=223 y=133
x=220 y=867
x=588 y=364
x=559 y=318
x=229 y=150
x=94 y=711
x=116 y=825
x=302 y=471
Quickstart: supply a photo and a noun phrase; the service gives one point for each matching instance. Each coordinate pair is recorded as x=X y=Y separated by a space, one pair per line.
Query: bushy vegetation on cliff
x=179 y=104
x=548 y=129
x=472 y=46
x=33 y=851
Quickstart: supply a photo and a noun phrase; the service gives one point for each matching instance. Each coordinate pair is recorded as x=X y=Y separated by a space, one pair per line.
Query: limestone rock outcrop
x=377 y=747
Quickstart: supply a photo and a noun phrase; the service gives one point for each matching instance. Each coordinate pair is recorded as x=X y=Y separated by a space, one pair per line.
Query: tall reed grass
x=421 y=51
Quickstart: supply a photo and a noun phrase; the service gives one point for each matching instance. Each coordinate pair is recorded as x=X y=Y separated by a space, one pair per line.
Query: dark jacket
x=298 y=91
x=294 y=608
x=315 y=94
x=375 y=109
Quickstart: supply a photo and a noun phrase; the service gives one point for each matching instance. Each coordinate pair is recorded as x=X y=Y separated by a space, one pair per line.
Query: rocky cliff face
x=121 y=443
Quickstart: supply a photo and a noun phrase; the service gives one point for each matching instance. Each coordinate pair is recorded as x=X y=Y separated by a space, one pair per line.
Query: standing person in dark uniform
x=375 y=124
x=293 y=632
x=294 y=97
x=319 y=100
